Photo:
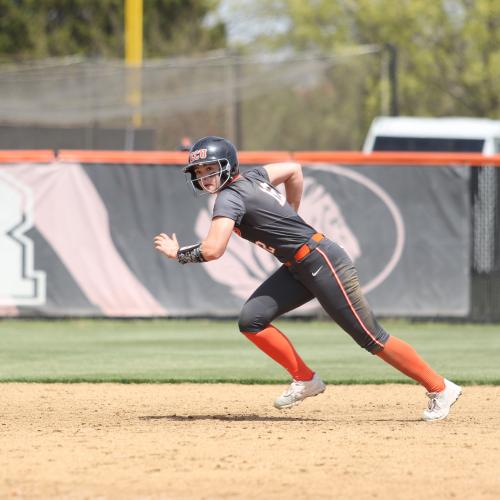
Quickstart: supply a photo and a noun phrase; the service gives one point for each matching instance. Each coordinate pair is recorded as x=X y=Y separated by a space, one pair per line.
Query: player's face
x=208 y=177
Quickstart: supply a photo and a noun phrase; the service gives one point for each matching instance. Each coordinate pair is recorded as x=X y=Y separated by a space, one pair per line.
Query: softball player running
x=313 y=266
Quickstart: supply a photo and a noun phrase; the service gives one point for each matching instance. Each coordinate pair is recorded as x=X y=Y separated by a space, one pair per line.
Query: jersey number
x=271 y=191
x=265 y=247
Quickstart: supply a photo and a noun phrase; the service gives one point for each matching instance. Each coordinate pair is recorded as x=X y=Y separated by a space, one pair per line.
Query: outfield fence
x=76 y=231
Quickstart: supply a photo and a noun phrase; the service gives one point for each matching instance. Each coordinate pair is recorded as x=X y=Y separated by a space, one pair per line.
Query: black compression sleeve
x=190 y=254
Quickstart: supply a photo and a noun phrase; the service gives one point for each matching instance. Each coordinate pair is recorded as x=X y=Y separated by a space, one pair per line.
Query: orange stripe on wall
x=394 y=158
x=262 y=157
x=251 y=157
x=23 y=156
x=133 y=157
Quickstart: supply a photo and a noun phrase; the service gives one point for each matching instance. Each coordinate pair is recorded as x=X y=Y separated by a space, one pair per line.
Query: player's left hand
x=168 y=246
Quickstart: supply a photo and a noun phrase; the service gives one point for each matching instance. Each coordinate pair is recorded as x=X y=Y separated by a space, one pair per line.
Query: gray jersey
x=262 y=214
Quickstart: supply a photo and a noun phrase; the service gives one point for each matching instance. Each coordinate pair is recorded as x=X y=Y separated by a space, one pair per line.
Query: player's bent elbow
x=211 y=252
x=211 y=256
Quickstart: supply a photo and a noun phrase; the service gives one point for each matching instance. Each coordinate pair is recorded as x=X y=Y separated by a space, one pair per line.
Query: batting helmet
x=213 y=149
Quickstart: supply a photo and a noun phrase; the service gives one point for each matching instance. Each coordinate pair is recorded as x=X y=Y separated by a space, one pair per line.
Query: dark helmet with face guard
x=209 y=150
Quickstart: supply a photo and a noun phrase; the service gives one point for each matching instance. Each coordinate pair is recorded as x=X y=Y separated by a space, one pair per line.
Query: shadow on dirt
x=231 y=418
x=395 y=420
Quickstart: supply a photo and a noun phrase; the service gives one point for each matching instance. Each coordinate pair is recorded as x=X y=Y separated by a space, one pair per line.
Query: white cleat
x=440 y=402
x=298 y=391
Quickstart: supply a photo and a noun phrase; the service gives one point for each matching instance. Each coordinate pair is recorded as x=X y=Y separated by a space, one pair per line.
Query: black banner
x=77 y=240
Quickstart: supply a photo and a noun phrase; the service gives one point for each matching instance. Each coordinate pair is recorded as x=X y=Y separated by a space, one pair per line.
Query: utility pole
x=393 y=78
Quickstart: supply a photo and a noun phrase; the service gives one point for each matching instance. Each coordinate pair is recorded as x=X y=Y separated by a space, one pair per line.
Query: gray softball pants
x=328 y=274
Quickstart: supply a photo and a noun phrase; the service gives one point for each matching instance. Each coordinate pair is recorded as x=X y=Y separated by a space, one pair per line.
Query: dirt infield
x=227 y=441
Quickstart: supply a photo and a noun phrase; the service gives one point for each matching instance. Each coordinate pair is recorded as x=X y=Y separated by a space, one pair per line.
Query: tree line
x=37 y=29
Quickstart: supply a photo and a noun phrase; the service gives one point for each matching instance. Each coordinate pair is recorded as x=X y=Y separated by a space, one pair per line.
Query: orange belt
x=305 y=249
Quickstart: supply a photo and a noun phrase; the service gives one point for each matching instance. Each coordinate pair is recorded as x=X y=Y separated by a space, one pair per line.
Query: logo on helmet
x=199 y=154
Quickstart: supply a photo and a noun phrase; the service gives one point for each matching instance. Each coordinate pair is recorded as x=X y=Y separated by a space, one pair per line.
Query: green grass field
x=213 y=351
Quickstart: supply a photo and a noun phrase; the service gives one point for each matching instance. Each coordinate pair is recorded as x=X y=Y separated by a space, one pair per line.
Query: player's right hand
x=168 y=246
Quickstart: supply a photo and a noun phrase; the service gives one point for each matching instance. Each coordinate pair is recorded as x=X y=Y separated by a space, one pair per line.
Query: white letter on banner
x=20 y=284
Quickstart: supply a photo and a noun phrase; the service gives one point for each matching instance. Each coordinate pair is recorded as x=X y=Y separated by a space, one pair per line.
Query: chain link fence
x=269 y=101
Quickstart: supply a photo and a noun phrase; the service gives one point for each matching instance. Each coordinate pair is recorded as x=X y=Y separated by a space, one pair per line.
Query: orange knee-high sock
x=277 y=346
x=405 y=358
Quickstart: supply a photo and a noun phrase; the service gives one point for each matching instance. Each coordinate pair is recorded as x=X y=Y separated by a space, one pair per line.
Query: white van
x=450 y=134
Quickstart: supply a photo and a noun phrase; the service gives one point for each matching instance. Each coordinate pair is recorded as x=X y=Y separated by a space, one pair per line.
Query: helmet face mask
x=209 y=151
x=197 y=180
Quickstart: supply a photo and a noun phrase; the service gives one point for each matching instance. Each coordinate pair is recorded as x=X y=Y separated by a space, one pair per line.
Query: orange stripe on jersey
x=337 y=279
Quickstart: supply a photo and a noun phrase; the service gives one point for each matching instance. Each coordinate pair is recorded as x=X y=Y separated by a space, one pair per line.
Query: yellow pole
x=133 y=56
x=133 y=32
